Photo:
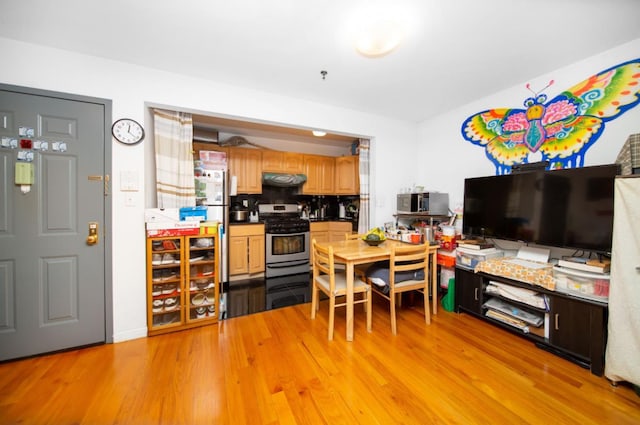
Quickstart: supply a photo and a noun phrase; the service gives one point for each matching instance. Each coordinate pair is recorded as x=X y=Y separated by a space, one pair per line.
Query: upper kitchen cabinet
x=246 y=165
x=347 y=175
x=282 y=162
x=320 y=171
x=205 y=146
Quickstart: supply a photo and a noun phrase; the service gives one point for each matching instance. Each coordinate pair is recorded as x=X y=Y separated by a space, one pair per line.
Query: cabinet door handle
x=557 y=324
x=475 y=294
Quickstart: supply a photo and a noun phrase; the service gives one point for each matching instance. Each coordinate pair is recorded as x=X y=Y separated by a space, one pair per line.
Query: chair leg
x=434 y=295
x=332 y=311
x=368 y=307
x=314 y=301
x=392 y=308
x=427 y=311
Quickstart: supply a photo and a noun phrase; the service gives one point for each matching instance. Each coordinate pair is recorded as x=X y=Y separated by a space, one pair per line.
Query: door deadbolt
x=92 y=239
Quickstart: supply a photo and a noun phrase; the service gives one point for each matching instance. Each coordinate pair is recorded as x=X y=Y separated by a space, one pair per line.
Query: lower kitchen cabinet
x=246 y=249
x=319 y=231
x=182 y=282
x=329 y=231
x=572 y=328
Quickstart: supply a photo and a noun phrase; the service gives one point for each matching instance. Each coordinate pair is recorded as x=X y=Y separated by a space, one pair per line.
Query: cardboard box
x=209 y=228
x=157 y=233
x=162 y=225
x=153 y=215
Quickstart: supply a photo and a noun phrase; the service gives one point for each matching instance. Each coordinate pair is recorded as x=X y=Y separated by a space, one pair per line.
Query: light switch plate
x=129 y=181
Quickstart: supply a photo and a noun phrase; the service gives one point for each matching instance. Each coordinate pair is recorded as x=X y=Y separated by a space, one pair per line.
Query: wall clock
x=127 y=131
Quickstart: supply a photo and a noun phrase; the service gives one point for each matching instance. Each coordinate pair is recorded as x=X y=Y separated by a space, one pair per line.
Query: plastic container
x=469 y=259
x=198 y=213
x=446 y=275
x=446 y=258
x=593 y=286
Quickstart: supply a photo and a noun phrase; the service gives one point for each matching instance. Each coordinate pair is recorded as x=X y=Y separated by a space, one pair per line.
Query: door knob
x=92 y=239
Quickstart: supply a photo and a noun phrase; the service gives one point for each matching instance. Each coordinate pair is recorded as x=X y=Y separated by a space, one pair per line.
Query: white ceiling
x=455 y=51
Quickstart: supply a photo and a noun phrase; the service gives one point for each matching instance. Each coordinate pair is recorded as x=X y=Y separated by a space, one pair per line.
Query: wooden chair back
x=409 y=258
x=323 y=262
x=403 y=259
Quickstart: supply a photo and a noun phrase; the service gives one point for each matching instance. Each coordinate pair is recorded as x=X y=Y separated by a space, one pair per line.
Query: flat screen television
x=568 y=208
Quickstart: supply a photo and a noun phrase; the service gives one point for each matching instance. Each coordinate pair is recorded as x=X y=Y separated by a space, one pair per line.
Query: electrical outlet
x=245 y=203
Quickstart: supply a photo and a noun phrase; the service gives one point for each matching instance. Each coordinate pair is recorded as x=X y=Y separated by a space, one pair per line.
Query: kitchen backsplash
x=278 y=195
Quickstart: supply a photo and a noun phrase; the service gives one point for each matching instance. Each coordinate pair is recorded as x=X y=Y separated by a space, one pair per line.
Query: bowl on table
x=373 y=242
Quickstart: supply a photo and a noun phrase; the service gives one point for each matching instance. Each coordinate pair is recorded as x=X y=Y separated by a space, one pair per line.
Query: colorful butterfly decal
x=563 y=129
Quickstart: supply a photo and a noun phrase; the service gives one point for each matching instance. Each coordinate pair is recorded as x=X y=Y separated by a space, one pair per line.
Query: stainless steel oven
x=287 y=244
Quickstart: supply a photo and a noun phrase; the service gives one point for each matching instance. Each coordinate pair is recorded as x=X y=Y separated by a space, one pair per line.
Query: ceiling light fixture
x=379 y=37
x=319 y=133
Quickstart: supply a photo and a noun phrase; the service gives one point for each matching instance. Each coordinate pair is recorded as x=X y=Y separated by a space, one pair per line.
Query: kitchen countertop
x=349 y=220
x=311 y=220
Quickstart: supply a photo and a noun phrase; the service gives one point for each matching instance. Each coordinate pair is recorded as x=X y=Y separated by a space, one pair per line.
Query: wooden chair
x=360 y=269
x=334 y=285
x=407 y=259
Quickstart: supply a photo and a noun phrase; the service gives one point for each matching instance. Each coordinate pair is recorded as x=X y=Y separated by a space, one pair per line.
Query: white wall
x=133 y=89
x=447 y=158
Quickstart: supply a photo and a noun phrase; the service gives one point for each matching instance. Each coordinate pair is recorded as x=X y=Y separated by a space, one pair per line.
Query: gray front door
x=52 y=279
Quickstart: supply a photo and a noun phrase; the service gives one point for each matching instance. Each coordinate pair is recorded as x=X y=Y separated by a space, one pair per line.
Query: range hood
x=283 y=179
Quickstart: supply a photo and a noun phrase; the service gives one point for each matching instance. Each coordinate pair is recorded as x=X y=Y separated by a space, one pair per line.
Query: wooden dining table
x=356 y=251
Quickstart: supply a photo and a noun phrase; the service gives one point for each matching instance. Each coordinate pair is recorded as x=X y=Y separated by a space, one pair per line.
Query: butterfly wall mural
x=561 y=130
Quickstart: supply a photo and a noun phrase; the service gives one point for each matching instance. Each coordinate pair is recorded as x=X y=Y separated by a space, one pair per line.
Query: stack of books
x=476 y=244
x=585 y=264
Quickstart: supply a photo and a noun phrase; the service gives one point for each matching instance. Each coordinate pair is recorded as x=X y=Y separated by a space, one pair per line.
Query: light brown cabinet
x=246 y=249
x=319 y=231
x=338 y=229
x=347 y=178
x=182 y=282
x=320 y=171
x=329 y=231
x=246 y=165
x=282 y=162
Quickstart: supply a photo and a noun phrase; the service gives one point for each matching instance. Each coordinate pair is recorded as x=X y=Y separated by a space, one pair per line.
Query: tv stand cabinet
x=573 y=328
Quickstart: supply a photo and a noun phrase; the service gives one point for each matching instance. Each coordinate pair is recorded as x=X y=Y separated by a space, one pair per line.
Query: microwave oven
x=428 y=203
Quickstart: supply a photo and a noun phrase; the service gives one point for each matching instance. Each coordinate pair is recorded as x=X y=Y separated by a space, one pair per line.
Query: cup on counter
x=415 y=238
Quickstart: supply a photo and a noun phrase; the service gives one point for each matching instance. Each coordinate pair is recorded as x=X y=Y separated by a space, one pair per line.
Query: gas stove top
x=282 y=218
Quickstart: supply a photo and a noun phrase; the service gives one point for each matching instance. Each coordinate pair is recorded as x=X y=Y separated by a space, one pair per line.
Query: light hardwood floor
x=277 y=367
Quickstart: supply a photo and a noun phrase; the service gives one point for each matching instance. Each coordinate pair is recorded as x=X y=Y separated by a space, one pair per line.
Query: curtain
x=623 y=344
x=174 y=159
x=363 y=215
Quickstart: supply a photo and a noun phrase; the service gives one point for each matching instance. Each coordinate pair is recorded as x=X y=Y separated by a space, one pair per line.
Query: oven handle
x=288 y=264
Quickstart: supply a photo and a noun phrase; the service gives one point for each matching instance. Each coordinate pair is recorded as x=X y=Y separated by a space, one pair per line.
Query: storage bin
x=446 y=258
x=469 y=259
x=198 y=213
x=448 y=243
x=593 y=286
x=447 y=274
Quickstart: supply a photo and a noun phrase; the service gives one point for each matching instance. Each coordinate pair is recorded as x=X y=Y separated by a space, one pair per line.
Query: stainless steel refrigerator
x=212 y=190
